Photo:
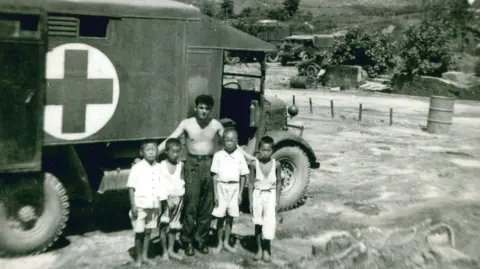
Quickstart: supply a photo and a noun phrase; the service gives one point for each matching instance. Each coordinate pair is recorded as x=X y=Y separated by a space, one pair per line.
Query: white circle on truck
x=82 y=91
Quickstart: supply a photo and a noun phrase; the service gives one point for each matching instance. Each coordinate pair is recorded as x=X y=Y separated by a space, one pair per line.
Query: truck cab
x=77 y=101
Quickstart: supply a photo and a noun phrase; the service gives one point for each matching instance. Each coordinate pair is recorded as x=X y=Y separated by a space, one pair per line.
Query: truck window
x=19 y=26
x=78 y=26
x=93 y=26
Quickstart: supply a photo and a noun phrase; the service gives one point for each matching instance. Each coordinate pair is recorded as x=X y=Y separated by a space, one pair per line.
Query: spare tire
x=273 y=57
x=295 y=173
x=33 y=214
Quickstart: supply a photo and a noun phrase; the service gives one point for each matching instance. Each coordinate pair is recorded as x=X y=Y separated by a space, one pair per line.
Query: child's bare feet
x=258 y=256
x=137 y=264
x=218 y=248
x=165 y=256
x=266 y=257
x=148 y=262
x=228 y=248
x=175 y=256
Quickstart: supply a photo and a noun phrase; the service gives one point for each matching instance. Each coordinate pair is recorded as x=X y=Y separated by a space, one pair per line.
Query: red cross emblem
x=82 y=91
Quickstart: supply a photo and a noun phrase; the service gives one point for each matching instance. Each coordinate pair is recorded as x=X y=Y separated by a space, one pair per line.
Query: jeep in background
x=271 y=31
x=305 y=47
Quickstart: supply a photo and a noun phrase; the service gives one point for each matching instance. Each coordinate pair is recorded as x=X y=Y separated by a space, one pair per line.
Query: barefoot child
x=230 y=169
x=264 y=195
x=145 y=199
x=171 y=178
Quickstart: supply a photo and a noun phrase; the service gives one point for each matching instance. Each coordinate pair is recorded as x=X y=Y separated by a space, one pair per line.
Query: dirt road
x=374 y=180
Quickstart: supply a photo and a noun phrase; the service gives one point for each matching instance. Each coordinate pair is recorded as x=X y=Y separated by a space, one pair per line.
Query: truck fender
x=65 y=164
x=284 y=138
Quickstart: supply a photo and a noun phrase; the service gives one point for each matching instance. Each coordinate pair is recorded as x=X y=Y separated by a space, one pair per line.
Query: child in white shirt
x=145 y=199
x=230 y=170
x=171 y=178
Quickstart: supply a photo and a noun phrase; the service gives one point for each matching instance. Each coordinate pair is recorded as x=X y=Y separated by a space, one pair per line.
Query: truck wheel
x=305 y=57
x=295 y=173
x=273 y=57
x=312 y=71
x=33 y=214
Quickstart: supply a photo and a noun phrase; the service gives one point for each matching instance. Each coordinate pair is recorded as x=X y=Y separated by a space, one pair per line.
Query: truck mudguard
x=287 y=138
x=64 y=163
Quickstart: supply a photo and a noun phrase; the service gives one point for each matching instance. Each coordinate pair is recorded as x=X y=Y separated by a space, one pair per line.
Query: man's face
x=265 y=151
x=173 y=152
x=149 y=152
x=203 y=111
x=230 y=141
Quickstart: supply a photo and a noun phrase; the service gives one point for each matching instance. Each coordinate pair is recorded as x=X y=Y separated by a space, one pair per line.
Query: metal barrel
x=440 y=114
x=302 y=82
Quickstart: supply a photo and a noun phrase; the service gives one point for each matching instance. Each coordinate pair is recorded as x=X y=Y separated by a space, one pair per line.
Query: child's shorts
x=146 y=219
x=227 y=200
x=264 y=211
x=173 y=213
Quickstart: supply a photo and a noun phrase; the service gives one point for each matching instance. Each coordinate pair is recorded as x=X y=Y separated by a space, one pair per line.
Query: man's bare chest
x=194 y=132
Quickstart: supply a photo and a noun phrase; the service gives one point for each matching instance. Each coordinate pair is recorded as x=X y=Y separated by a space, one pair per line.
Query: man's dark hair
x=173 y=142
x=205 y=99
x=148 y=141
x=266 y=140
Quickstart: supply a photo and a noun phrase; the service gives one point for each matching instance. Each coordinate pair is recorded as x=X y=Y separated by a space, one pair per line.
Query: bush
x=277 y=13
x=208 y=8
x=425 y=50
x=370 y=51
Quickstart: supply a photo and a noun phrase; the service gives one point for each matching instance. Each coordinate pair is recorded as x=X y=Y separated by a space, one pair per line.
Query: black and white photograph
x=240 y=134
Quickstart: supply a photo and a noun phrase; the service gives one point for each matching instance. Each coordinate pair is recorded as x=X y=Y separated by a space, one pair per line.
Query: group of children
x=156 y=194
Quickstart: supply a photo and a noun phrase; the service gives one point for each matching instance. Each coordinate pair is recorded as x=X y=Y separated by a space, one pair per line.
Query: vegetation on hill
x=429 y=37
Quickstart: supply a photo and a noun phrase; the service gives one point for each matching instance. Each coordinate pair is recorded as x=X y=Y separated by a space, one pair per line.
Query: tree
x=208 y=8
x=291 y=6
x=425 y=50
x=368 y=50
x=227 y=8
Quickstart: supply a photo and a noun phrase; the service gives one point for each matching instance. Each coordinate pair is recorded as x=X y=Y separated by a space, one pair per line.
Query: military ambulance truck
x=83 y=82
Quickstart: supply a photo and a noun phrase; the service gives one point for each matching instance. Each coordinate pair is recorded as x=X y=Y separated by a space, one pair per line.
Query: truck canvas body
x=83 y=82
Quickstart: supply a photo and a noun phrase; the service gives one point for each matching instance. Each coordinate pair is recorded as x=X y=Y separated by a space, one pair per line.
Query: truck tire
x=273 y=57
x=33 y=214
x=296 y=175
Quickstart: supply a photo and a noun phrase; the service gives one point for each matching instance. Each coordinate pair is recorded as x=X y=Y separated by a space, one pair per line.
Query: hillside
x=335 y=15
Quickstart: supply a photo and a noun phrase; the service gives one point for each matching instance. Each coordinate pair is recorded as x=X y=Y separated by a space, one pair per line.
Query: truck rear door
x=22 y=82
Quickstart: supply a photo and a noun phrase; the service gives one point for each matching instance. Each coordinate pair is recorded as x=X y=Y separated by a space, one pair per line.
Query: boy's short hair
x=172 y=142
x=266 y=140
x=148 y=141
x=205 y=99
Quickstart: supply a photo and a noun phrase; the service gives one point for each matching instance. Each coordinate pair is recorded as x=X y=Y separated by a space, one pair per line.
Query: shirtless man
x=201 y=133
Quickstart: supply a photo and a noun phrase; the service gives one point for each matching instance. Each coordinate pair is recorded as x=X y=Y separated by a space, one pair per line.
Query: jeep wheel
x=273 y=57
x=312 y=71
x=33 y=214
x=305 y=57
x=295 y=173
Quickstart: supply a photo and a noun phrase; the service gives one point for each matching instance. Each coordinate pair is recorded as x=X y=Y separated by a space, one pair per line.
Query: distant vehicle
x=271 y=31
x=305 y=47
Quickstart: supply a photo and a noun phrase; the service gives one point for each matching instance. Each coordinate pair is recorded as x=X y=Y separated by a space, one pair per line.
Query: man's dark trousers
x=198 y=199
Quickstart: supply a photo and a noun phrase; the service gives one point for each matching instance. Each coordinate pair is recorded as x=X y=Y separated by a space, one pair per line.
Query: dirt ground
x=380 y=186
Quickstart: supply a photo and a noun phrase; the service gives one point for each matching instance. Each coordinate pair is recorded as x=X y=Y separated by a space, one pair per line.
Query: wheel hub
x=287 y=174
x=27 y=213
